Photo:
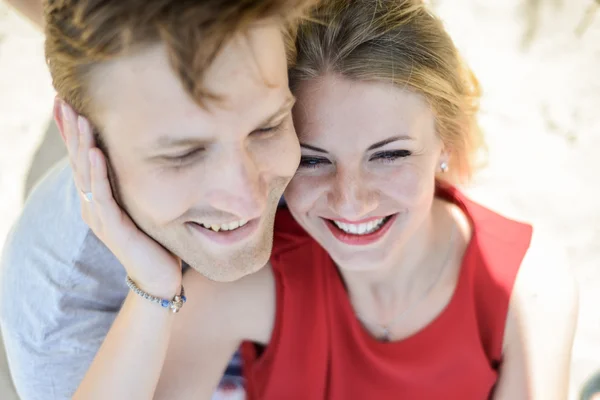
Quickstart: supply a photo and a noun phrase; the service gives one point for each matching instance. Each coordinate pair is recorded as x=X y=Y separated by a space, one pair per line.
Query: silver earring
x=444 y=166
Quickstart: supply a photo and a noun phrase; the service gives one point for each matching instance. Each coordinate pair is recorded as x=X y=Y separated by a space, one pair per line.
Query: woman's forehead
x=332 y=105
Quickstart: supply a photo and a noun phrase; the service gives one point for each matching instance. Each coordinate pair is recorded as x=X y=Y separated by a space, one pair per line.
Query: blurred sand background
x=540 y=72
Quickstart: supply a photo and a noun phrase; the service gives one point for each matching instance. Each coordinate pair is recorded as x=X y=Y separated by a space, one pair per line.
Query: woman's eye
x=313 y=162
x=390 y=156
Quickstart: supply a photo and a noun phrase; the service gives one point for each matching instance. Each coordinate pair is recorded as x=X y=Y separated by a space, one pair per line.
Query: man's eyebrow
x=285 y=108
x=168 y=141
x=388 y=141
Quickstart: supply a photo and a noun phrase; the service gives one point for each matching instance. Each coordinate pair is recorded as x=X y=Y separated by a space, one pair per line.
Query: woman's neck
x=386 y=292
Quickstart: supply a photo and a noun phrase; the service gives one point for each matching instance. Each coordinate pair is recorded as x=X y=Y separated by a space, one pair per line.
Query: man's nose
x=239 y=187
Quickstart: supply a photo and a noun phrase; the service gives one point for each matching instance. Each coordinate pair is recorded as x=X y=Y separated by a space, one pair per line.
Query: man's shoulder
x=49 y=228
x=60 y=290
x=51 y=262
x=51 y=214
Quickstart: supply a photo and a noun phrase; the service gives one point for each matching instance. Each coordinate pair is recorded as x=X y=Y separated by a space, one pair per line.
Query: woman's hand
x=153 y=268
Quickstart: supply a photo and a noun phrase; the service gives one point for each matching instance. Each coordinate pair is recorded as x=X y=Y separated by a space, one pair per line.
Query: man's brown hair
x=83 y=33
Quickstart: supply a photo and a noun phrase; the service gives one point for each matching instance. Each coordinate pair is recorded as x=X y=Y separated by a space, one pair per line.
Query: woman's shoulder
x=540 y=271
x=497 y=247
x=541 y=321
x=490 y=226
x=546 y=280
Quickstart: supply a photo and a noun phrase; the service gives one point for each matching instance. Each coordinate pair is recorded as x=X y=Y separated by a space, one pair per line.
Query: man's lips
x=226 y=237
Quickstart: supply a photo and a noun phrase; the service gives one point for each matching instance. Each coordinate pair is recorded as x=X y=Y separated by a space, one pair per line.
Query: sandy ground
x=540 y=114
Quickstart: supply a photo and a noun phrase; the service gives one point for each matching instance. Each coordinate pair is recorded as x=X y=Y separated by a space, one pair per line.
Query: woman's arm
x=540 y=328
x=32 y=9
x=199 y=351
x=129 y=362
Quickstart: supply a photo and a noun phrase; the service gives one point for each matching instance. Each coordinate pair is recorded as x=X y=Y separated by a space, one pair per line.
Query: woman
x=385 y=280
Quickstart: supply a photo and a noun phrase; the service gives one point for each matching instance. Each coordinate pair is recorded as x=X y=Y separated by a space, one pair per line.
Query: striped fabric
x=232 y=383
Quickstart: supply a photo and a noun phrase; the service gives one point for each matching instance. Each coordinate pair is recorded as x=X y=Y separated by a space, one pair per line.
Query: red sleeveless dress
x=319 y=350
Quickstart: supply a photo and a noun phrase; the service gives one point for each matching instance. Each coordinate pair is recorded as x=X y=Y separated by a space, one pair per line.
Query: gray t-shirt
x=60 y=290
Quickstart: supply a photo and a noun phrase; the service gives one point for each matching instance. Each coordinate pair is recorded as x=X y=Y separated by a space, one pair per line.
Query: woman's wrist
x=173 y=304
x=165 y=289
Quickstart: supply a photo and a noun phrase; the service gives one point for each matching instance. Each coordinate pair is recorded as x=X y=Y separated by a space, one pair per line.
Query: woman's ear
x=444 y=161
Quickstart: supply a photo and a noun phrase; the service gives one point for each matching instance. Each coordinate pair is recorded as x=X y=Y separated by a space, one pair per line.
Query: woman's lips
x=360 y=239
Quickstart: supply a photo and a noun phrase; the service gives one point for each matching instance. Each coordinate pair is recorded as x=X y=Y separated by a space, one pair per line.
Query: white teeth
x=225 y=227
x=360 y=229
x=233 y=225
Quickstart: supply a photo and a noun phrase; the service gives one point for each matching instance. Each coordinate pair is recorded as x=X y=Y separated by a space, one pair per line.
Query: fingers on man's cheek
x=83 y=159
x=70 y=131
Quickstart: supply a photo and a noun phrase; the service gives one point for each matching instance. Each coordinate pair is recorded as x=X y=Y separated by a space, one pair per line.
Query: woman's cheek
x=305 y=191
x=408 y=184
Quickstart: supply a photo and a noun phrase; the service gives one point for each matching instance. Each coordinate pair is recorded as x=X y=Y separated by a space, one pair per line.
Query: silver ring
x=87 y=196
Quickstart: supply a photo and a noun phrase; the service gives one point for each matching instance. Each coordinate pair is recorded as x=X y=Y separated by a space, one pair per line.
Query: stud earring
x=444 y=166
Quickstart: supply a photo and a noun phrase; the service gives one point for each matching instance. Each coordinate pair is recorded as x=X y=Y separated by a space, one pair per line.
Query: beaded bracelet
x=175 y=304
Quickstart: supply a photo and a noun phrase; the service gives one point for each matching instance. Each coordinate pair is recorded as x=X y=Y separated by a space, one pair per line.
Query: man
x=189 y=102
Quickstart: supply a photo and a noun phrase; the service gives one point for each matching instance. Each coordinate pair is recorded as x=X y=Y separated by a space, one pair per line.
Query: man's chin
x=229 y=276
x=231 y=268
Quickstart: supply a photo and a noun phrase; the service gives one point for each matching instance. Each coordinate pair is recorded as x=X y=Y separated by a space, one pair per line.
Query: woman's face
x=366 y=179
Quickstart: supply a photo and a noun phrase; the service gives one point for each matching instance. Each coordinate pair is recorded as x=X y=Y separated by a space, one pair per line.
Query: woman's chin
x=352 y=262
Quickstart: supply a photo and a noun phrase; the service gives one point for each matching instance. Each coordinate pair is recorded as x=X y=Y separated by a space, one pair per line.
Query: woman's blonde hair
x=401 y=42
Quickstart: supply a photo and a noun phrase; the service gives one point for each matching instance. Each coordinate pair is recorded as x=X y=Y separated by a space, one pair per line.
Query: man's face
x=190 y=176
